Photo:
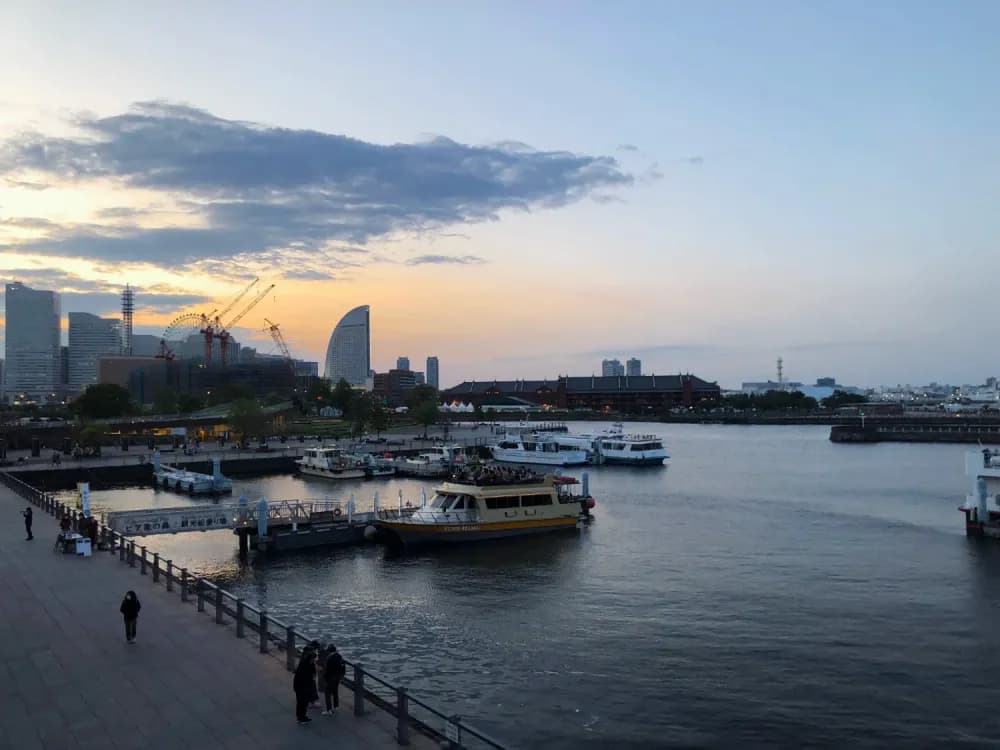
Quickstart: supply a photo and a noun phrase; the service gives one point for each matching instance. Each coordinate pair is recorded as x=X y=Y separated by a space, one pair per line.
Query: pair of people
x=322 y=664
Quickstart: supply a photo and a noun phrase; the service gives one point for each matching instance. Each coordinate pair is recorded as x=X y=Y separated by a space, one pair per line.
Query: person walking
x=304 y=683
x=28 y=518
x=130 y=611
x=334 y=671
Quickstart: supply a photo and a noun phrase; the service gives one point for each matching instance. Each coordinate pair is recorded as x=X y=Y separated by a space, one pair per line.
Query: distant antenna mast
x=781 y=378
x=128 y=311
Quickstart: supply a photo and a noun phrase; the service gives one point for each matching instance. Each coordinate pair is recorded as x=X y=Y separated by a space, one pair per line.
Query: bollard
x=142 y=561
x=156 y=567
x=290 y=648
x=239 y=617
x=184 y=584
x=170 y=575
x=201 y=594
x=131 y=554
x=218 y=606
x=263 y=632
x=402 y=717
x=359 y=690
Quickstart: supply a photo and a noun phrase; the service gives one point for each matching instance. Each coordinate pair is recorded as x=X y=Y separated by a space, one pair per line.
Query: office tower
x=402 y=363
x=32 y=342
x=433 y=376
x=633 y=368
x=90 y=338
x=612 y=368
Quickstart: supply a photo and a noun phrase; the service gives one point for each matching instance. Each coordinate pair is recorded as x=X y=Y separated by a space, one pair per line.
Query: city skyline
x=725 y=186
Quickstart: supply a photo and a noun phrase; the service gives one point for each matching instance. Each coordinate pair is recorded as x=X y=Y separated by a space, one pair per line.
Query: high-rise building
x=611 y=368
x=90 y=338
x=393 y=386
x=32 y=342
x=348 y=355
x=418 y=378
x=63 y=367
x=433 y=376
x=402 y=363
x=633 y=368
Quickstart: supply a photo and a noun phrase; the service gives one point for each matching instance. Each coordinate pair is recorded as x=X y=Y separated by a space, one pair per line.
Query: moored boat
x=537 y=449
x=437 y=461
x=494 y=504
x=331 y=463
x=617 y=447
x=982 y=506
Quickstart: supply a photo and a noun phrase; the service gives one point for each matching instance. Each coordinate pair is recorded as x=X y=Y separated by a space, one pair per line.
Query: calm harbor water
x=769 y=589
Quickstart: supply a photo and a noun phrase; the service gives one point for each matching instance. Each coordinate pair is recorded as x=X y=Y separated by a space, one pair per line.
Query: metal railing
x=273 y=636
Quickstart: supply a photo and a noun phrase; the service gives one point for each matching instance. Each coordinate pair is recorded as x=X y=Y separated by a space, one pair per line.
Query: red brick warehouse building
x=637 y=394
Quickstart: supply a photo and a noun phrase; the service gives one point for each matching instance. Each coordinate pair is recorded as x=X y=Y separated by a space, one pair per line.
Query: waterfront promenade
x=68 y=679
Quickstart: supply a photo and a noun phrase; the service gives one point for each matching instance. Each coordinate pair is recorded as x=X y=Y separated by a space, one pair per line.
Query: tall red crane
x=279 y=340
x=213 y=326
x=222 y=333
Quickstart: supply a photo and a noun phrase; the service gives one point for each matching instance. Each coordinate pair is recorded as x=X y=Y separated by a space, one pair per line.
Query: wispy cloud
x=422 y=260
x=251 y=188
x=627 y=147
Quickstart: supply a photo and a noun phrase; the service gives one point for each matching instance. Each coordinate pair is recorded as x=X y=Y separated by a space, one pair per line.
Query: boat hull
x=539 y=458
x=622 y=461
x=315 y=471
x=413 y=534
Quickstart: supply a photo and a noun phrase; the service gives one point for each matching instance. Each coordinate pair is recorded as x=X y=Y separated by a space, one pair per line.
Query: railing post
x=456 y=744
x=239 y=617
x=156 y=567
x=359 y=690
x=263 y=632
x=402 y=717
x=131 y=554
x=170 y=575
x=201 y=593
x=142 y=561
x=290 y=648
x=121 y=548
x=218 y=606
x=184 y=584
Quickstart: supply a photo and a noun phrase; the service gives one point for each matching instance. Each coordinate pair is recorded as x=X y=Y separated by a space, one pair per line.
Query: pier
x=208 y=671
x=918 y=430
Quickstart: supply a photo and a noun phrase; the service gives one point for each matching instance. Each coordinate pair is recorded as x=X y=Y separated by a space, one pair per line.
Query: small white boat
x=192 y=482
x=541 y=449
x=437 y=461
x=331 y=463
x=378 y=466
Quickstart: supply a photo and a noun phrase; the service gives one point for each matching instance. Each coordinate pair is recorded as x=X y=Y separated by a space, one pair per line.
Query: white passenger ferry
x=617 y=447
x=331 y=463
x=493 y=504
x=541 y=449
x=982 y=505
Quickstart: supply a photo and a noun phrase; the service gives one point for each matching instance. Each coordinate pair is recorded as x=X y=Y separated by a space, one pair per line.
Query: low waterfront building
x=643 y=394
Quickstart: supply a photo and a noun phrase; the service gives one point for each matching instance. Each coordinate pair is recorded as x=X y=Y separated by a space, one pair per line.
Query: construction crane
x=222 y=332
x=279 y=340
x=213 y=324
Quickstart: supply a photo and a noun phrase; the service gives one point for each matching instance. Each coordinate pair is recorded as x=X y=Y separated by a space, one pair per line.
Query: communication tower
x=780 y=371
x=128 y=312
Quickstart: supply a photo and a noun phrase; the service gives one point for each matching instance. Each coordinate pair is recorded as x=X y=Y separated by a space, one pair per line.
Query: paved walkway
x=68 y=680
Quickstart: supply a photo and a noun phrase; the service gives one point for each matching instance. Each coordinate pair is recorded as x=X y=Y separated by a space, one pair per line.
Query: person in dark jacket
x=27 y=522
x=304 y=684
x=334 y=672
x=130 y=611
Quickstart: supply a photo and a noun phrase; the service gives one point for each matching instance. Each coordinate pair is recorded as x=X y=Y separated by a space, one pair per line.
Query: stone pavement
x=68 y=679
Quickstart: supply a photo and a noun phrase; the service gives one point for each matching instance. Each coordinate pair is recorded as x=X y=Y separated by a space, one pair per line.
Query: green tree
x=420 y=395
x=166 y=401
x=245 y=418
x=188 y=403
x=360 y=413
x=343 y=396
x=228 y=393
x=319 y=394
x=103 y=401
x=425 y=413
x=379 y=418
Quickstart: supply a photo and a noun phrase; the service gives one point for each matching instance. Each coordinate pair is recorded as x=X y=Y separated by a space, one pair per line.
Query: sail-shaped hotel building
x=348 y=355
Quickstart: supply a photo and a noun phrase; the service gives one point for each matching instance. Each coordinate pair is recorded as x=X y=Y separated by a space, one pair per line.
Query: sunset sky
x=522 y=189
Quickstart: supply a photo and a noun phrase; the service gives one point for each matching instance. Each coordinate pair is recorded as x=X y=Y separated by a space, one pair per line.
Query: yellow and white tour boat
x=491 y=504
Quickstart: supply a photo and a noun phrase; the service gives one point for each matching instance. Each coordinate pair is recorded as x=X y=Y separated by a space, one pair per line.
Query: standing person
x=334 y=672
x=130 y=611
x=317 y=650
x=321 y=671
x=304 y=684
x=28 y=518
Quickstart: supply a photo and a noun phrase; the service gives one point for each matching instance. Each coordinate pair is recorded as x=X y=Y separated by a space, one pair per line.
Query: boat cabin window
x=499 y=503
x=529 y=446
x=442 y=501
x=508 y=444
x=646 y=446
x=530 y=501
x=459 y=503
